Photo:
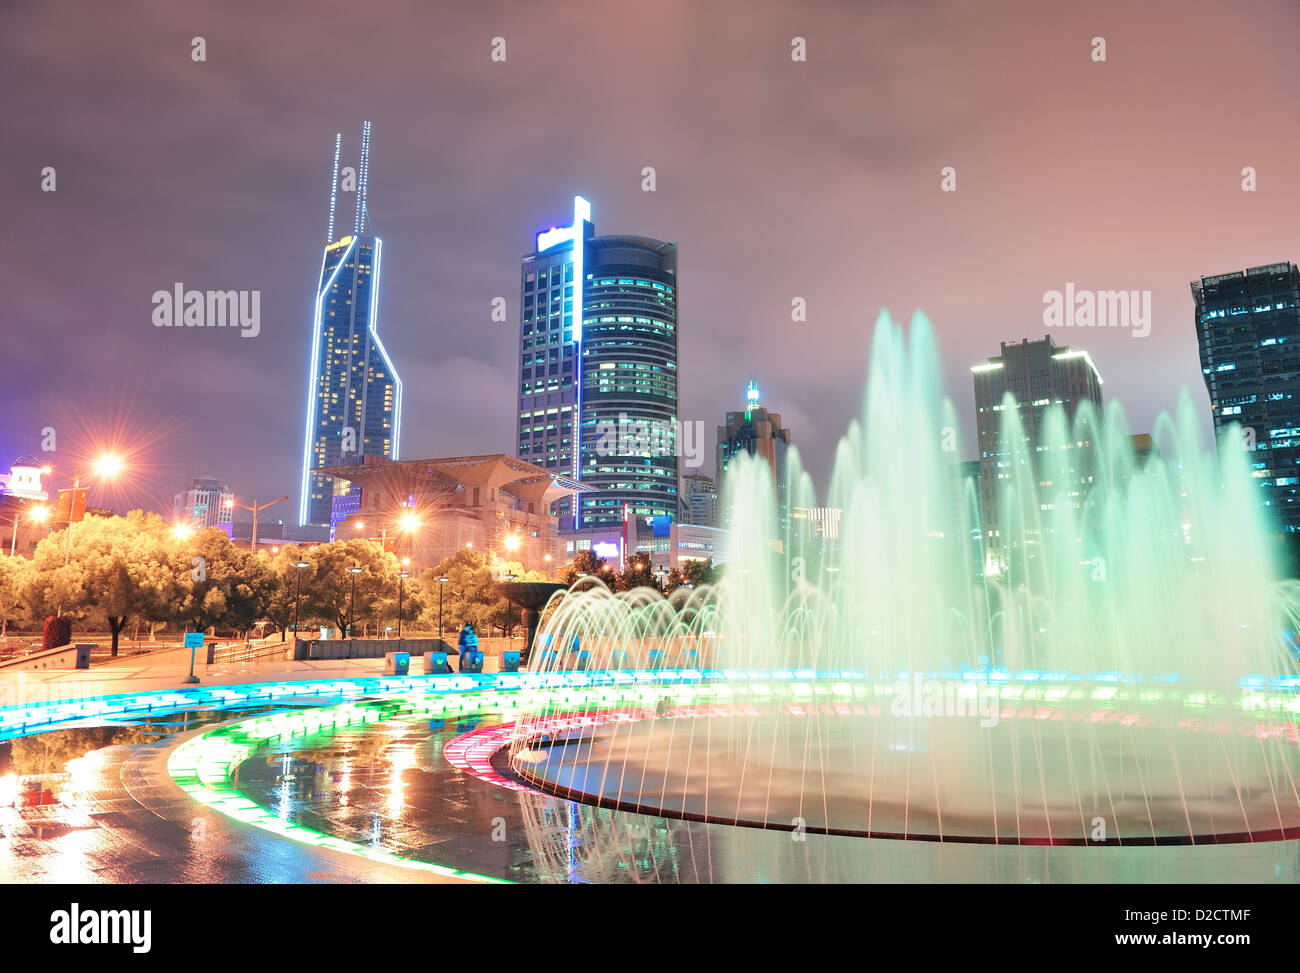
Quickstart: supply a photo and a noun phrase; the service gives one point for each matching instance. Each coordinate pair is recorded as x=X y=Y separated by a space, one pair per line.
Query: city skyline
x=463 y=210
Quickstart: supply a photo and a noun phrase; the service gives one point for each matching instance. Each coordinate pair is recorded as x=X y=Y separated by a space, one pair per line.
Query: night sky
x=777 y=179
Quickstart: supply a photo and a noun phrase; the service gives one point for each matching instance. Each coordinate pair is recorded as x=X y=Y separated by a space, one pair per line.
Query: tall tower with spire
x=354 y=395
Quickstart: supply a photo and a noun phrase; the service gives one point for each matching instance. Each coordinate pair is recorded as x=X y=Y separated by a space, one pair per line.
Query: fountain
x=1106 y=665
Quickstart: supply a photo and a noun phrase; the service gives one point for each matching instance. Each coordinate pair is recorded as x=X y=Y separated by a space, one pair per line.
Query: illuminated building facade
x=598 y=370
x=1040 y=375
x=354 y=395
x=24 y=479
x=1248 y=329
x=429 y=509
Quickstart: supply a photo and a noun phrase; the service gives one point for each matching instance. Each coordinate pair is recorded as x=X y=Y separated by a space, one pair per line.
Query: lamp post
x=441 y=582
x=401 y=578
x=352 y=605
x=107 y=465
x=297 y=596
x=255 y=508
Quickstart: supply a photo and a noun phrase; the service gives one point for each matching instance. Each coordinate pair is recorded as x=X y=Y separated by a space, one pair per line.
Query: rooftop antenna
x=334 y=187
x=363 y=178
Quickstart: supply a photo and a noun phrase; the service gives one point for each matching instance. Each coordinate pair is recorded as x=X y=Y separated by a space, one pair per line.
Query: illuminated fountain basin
x=1062 y=764
x=1146 y=598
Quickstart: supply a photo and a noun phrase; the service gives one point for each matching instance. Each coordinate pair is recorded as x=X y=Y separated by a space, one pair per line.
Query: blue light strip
x=581 y=213
x=23 y=720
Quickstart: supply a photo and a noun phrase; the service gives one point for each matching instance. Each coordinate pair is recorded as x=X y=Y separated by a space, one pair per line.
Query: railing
x=247 y=651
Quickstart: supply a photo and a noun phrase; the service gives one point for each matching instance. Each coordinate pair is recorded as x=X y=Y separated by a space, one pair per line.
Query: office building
x=1041 y=375
x=598 y=370
x=1248 y=330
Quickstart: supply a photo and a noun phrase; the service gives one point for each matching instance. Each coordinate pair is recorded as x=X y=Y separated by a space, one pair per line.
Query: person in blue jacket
x=468 y=646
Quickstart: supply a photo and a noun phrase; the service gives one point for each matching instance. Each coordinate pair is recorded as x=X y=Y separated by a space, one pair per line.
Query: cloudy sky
x=778 y=179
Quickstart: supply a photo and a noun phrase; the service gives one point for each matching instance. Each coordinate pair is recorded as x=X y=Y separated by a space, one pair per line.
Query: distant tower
x=758 y=433
x=354 y=395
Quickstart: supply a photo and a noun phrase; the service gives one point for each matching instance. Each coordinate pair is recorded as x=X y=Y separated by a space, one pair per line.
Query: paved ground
x=167 y=670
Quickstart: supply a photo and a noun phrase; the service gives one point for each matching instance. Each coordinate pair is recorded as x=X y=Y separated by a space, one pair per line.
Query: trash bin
x=397 y=663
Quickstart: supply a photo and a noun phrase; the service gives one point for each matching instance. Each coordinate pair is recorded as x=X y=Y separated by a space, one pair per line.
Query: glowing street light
x=512 y=542
x=182 y=531
x=109 y=464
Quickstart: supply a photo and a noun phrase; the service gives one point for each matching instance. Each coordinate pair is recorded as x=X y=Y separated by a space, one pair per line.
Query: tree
x=468 y=594
x=14 y=575
x=219 y=584
x=584 y=562
x=637 y=573
x=327 y=584
x=279 y=608
x=691 y=574
x=118 y=568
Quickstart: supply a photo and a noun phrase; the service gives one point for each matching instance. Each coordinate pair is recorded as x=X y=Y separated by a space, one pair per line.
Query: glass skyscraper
x=1248 y=329
x=354 y=395
x=598 y=370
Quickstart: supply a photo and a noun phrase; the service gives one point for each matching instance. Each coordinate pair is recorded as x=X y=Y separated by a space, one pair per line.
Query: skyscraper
x=758 y=433
x=1041 y=375
x=598 y=369
x=1248 y=329
x=207 y=503
x=354 y=395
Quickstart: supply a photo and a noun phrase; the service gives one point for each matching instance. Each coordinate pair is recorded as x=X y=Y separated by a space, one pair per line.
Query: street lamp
x=297 y=596
x=352 y=605
x=441 y=582
x=182 y=531
x=401 y=577
x=106 y=466
x=255 y=508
